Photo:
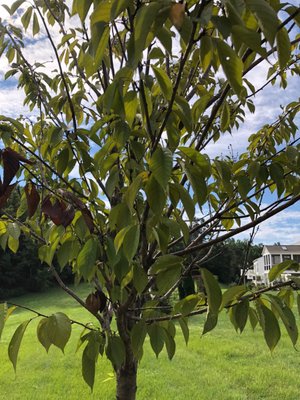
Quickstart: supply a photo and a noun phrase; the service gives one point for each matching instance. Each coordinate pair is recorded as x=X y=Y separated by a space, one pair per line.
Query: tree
x=138 y=91
x=231 y=257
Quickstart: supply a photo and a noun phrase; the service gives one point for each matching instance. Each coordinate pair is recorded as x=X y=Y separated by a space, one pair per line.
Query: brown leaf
x=96 y=302
x=32 y=197
x=78 y=204
x=58 y=212
x=11 y=166
x=176 y=14
x=17 y=155
x=5 y=195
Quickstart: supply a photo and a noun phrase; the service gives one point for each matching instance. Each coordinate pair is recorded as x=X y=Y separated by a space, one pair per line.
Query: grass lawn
x=220 y=365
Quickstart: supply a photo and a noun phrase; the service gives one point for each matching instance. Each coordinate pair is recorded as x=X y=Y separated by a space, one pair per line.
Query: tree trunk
x=126 y=381
x=127 y=373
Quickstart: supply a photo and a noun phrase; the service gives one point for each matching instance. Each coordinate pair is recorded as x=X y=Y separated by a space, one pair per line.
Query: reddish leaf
x=11 y=166
x=5 y=195
x=71 y=198
x=58 y=212
x=176 y=14
x=77 y=203
x=32 y=197
x=67 y=215
x=17 y=156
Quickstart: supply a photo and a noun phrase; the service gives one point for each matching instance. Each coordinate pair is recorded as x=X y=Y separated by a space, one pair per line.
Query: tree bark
x=126 y=381
x=127 y=373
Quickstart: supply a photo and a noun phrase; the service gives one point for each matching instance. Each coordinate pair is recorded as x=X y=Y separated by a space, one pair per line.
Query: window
x=296 y=257
x=286 y=257
x=275 y=259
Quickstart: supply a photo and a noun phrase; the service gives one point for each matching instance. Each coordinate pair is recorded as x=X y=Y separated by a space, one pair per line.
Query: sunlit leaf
x=15 y=343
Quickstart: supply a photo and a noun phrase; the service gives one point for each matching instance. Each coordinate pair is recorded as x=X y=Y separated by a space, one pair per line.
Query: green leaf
x=14 y=345
x=286 y=316
x=197 y=180
x=187 y=201
x=225 y=117
x=170 y=345
x=88 y=366
x=191 y=154
x=144 y=20
x=270 y=326
x=138 y=335
x=164 y=82
x=213 y=291
x=240 y=314
x=253 y=317
x=157 y=335
x=232 y=65
x=103 y=12
x=13 y=244
x=156 y=195
x=26 y=17
x=278 y=269
x=3 y=311
x=206 y=51
x=250 y=38
x=140 y=278
x=298 y=303
x=267 y=17
x=232 y=294
x=283 y=47
x=119 y=239
x=132 y=191
x=67 y=252
x=166 y=262
x=107 y=10
x=59 y=330
x=131 y=105
x=244 y=185
x=42 y=334
x=35 y=25
x=166 y=279
x=161 y=165
x=182 y=109
x=100 y=51
x=87 y=258
x=210 y=322
x=185 y=329
x=115 y=351
x=131 y=242
x=188 y=304
x=15 y=6
x=81 y=7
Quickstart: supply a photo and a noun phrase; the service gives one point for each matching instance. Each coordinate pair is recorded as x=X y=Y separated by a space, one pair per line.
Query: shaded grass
x=220 y=365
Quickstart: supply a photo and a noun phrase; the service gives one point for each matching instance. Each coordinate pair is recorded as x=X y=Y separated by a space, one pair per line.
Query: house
x=272 y=255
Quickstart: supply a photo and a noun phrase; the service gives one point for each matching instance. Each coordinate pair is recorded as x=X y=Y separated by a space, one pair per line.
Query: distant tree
x=21 y=270
x=115 y=166
x=230 y=257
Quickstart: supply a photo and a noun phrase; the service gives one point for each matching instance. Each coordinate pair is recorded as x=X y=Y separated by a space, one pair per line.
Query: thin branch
x=251 y=297
x=62 y=75
x=39 y=314
x=251 y=224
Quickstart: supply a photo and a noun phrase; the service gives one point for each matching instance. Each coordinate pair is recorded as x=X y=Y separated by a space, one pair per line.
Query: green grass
x=220 y=365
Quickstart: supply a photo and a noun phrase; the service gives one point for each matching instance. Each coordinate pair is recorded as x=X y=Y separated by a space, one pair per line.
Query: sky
x=285 y=227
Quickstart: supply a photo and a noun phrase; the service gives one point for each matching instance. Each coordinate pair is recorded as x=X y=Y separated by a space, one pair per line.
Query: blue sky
x=284 y=227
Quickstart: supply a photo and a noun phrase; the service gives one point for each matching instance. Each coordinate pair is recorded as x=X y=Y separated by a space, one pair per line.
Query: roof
x=283 y=248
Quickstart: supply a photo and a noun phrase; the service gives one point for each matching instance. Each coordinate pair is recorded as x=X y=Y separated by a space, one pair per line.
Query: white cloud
x=283 y=227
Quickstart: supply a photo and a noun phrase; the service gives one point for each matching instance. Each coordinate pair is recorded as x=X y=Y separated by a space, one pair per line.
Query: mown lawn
x=220 y=365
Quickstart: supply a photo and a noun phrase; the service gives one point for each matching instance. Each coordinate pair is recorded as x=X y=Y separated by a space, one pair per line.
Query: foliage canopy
x=138 y=92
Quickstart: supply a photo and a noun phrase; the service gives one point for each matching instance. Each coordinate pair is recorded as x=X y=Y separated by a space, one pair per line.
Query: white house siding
x=272 y=255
